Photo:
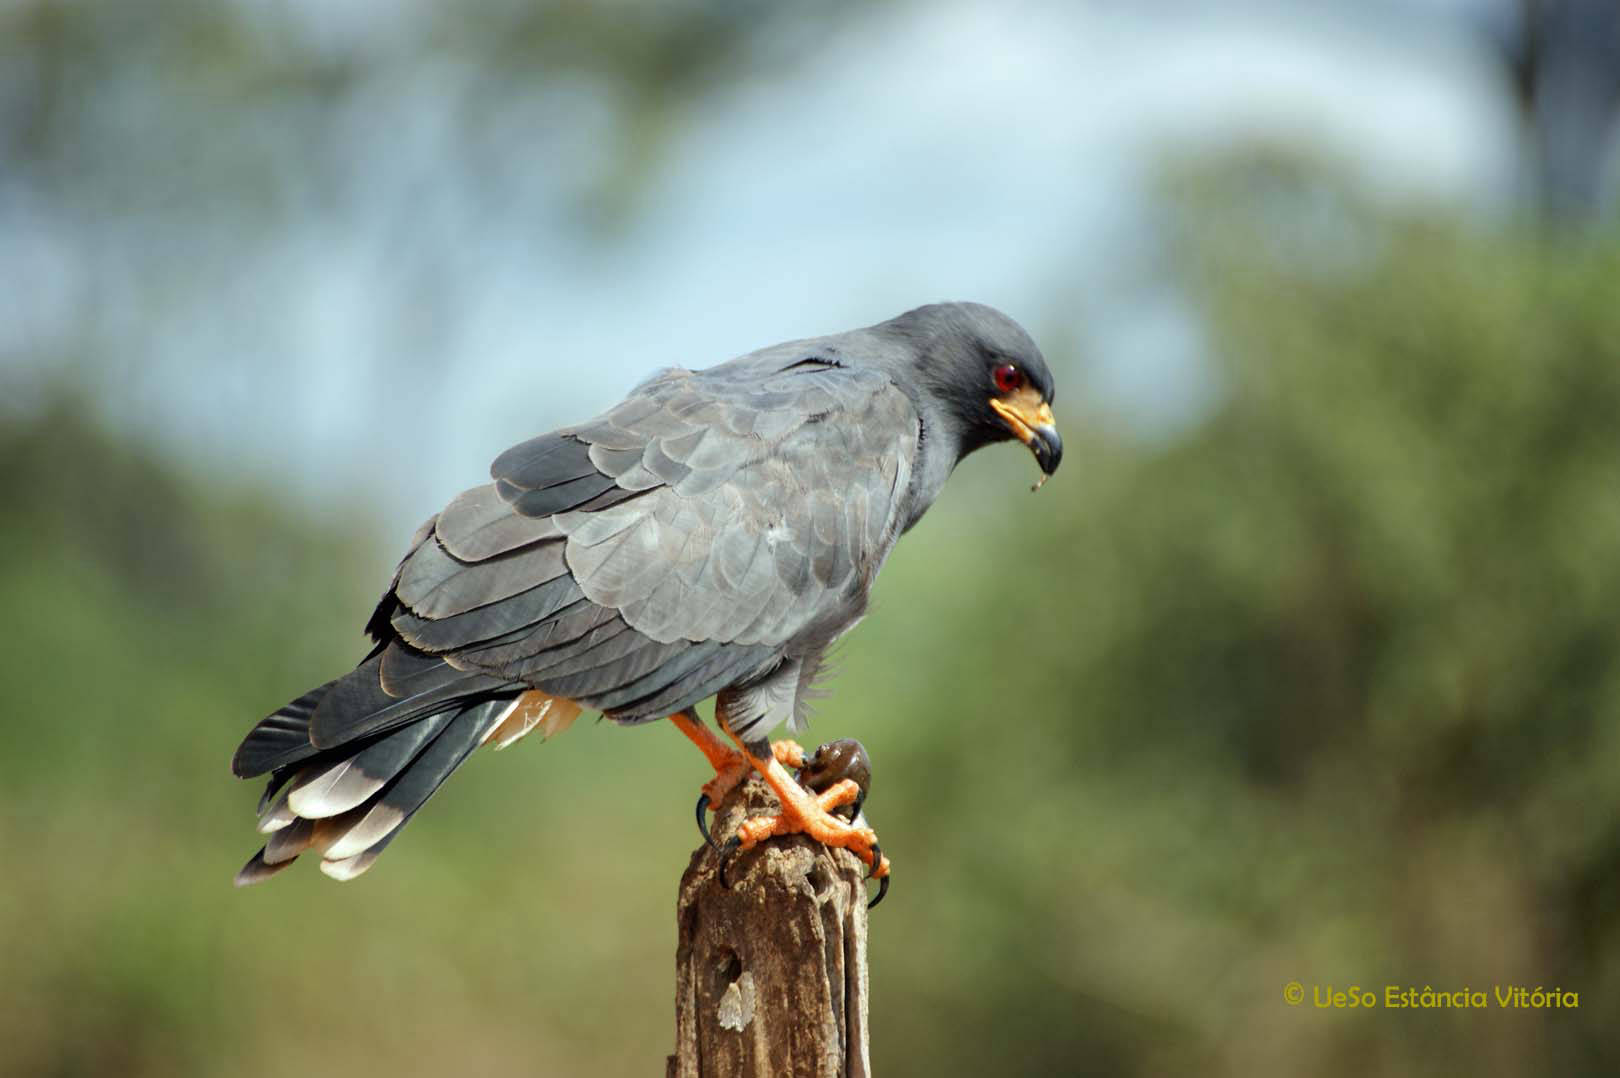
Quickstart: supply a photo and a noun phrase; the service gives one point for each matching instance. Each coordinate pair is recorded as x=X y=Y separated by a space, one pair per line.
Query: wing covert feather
x=751 y=539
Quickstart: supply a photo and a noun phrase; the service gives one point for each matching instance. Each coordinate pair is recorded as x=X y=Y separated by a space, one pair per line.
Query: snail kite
x=712 y=535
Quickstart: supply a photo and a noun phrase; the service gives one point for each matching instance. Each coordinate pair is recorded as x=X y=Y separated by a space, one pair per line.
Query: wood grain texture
x=771 y=977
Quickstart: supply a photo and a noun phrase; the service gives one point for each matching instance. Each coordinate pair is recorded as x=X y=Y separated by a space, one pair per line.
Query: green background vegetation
x=1322 y=689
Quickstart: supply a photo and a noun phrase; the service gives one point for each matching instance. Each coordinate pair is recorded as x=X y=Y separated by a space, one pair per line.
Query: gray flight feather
x=436 y=585
x=280 y=739
x=480 y=524
x=346 y=784
x=358 y=705
x=405 y=794
x=481 y=623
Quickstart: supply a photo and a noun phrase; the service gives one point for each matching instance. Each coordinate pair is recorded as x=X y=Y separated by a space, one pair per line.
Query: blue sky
x=994 y=152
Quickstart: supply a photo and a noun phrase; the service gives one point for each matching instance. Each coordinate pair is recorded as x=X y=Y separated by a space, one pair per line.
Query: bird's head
x=987 y=380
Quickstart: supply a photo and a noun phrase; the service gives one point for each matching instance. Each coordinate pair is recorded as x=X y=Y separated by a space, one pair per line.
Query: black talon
x=883 y=889
x=877 y=859
x=703 y=822
x=725 y=853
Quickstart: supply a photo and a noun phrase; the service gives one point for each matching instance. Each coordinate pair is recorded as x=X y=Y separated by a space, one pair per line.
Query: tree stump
x=770 y=972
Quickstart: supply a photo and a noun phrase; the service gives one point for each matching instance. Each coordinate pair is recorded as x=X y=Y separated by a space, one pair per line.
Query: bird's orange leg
x=730 y=766
x=811 y=814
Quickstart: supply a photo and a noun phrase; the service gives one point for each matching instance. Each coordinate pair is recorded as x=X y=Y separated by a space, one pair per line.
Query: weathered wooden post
x=770 y=972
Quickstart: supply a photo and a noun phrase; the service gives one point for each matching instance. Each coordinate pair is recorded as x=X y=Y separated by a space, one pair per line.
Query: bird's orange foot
x=811 y=814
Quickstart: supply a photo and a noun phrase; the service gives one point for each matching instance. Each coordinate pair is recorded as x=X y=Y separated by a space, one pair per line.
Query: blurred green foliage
x=1323 y=690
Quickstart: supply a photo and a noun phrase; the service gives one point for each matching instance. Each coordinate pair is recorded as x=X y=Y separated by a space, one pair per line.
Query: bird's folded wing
x=642 y=561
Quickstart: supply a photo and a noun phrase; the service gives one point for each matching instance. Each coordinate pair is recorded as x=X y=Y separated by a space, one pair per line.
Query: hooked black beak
x=1047 y=447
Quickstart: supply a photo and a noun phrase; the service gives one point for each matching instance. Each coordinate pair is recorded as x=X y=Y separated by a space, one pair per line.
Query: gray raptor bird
x=712 y=535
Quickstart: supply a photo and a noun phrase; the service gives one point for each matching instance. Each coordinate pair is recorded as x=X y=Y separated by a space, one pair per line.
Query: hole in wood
x=729 y=968
x=819 y=879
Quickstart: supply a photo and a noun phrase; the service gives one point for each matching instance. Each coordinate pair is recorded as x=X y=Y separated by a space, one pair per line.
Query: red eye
x=1009 y=379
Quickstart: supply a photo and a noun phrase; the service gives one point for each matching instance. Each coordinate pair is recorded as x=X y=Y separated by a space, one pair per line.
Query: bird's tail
x=348 y=801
